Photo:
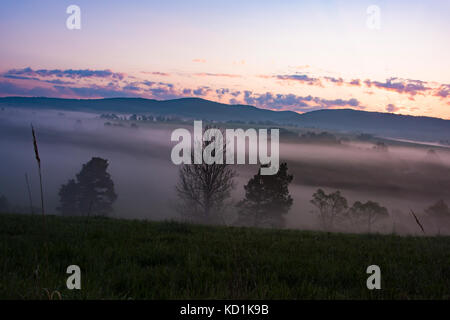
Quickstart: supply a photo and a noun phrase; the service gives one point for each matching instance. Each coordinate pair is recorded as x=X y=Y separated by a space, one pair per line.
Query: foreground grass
x=123 y=259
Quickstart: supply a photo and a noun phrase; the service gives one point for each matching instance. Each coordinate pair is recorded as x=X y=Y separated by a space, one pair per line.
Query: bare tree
x=204 y=188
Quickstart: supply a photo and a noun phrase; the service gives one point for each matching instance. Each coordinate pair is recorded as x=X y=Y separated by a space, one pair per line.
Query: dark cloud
x=132 y=87
x=201 y=91
x=92 y=91
x=355 y=82
x=222 y=91
x=68 y=73
x=407 y=86
x=392 y=108
x=443 y=91
x=11 y=89
x=17 y=77
x=337 y=102
x=163 y=93
x=294 y=102
x=303 y=78
x=338 y=81
x=58 y=82
x=403 y=86
x=157 y=73
x=96 y=91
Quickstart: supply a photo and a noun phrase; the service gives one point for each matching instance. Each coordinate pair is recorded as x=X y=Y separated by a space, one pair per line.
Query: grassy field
x=123 y=259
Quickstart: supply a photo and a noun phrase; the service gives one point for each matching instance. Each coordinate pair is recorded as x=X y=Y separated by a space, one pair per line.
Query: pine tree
x=267 y=199
x=91 y=193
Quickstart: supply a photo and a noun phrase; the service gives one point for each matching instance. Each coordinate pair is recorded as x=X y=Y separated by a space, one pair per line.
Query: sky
x=278 y=54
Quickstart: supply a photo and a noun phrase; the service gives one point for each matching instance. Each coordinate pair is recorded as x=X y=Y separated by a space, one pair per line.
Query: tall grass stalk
x=29 y=194
x=417 y=221
x=38 y=160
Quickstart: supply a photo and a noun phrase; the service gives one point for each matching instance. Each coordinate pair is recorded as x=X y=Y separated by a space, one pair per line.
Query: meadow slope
x=129 y=259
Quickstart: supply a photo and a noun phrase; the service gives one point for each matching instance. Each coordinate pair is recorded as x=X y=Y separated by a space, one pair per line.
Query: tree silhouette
x=439 y=215
x=92 y=192
x=204 y=188
x=4 y=204
x=69 y=196
x=330 y=207
x=439 y=210
x=369 y=213
x=380 y=147
x=267 y=199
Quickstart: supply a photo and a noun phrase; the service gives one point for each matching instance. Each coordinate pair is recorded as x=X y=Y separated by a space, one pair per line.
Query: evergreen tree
x=267 y=199
x=4 y=204
x=91 y=193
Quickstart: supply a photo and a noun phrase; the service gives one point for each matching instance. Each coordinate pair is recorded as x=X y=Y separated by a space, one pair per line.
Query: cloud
x=156 y=73
x=201 y=91
x=97 y=91
x=68 y=73
x=337 y=81
x=443 y=91
x=303 y=78
x=164 y=91
x=199 y=60
x=392 y=108
x=295 y=102
x=68 y=83
x=12 y=89
x=337 y=102
x=132 y=87
x=17 y=77
x=401 y=86
x=411 y=87
x=59 y=82
x=354 y=82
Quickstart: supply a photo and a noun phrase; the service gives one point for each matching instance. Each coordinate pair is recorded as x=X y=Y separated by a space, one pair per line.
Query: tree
x=369 y=212
x=204 y=188
x=92 y=192
x=439 y=215
x=438 y=211
x=69 y=198
x=4 y=204
x=329 y=207
x=267 y=199
x=380 y=147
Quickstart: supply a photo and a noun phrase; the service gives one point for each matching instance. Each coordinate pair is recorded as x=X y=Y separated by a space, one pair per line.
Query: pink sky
x=281 y=55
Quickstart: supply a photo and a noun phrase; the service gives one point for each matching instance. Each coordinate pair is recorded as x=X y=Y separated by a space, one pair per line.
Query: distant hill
x=386 y=124
x=378 y=123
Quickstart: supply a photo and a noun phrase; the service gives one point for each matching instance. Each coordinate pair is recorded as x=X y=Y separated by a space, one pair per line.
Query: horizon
x=228 y=104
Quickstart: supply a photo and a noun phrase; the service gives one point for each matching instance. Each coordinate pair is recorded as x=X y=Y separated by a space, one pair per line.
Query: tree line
x=204 y=192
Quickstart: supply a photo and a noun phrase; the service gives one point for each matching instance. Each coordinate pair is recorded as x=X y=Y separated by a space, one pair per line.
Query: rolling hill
x=385 y=124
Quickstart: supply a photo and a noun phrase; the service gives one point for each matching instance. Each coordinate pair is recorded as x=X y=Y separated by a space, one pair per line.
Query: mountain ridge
x=387 y=124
